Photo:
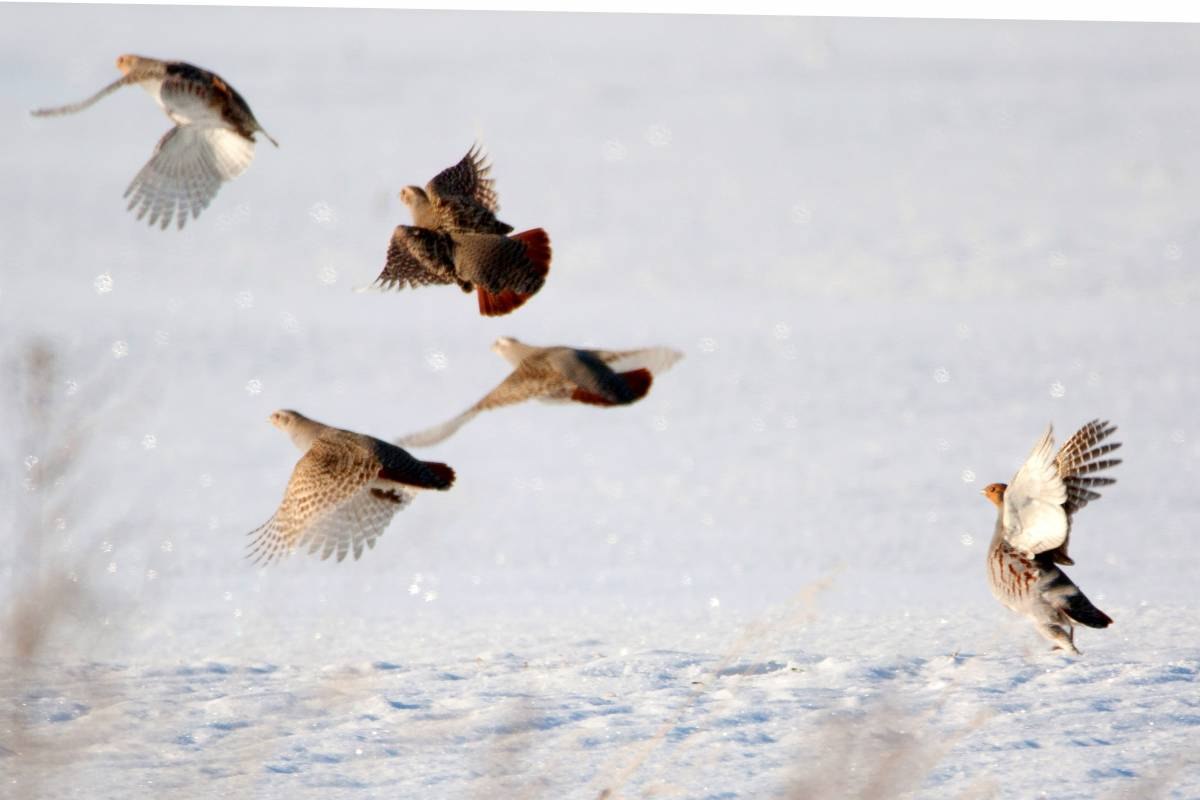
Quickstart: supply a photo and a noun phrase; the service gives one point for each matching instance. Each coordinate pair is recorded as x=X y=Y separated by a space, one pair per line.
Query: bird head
x=411 y=196
x=127 y=63
x=995 y=493
x=503 y=344
x=299 y=428
x=511 y=350
x=285 y=418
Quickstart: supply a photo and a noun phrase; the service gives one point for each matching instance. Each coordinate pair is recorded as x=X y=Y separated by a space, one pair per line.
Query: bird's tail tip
x=497 y=304
x=537 y=248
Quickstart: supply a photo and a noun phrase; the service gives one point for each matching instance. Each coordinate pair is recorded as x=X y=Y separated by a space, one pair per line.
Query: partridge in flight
x=212 y=141
x=342 y=493
x=1033 y=530
x=561 y=375
x=455 y=238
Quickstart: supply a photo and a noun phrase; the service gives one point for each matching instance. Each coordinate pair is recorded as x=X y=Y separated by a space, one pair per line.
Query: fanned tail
x=537 y=255
x=537 y=249
x=500 y=303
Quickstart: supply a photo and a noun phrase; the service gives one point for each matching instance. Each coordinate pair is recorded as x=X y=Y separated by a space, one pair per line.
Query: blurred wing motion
x=655 y=359
x=523 y=383
x=594 y=377
x=188 y=167
x=82 y=104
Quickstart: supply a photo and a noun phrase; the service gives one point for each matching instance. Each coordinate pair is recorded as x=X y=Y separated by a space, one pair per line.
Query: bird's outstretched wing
x=1078 y=459
x=188 y=167
x=1033 y=516
x=406 y=267
x=464 y=196
x=655 y=359
x=82 y=104
x=469 y=178
x=438 y=433
x=334 y=502
x=523 y=383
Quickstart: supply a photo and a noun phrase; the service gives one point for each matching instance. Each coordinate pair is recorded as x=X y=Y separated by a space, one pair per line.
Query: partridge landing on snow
x=342 y=493
x=1034 y=527
x=212 y=141
x=561 y=375
x=456 y=238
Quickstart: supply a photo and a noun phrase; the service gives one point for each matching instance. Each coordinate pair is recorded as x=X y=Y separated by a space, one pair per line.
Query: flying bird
x=212 y=141
x=1033 y=529
x=459 y=198
x=342 y=493
x=456 y=238
x=561 y=375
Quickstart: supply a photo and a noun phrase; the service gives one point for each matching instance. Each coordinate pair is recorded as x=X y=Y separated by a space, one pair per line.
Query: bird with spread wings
x=343 y=492
x=456 y=238
x=560 y=375
x=212 y=141
x=1033 y=530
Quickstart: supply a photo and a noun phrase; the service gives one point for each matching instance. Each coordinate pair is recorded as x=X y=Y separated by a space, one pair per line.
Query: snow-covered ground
x=892 y=251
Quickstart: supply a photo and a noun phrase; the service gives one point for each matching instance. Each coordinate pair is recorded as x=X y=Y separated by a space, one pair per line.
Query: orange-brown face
x=125 y=63
x=995 y=493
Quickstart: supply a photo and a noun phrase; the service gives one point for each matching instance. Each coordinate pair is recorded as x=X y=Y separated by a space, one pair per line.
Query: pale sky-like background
x=892 y=251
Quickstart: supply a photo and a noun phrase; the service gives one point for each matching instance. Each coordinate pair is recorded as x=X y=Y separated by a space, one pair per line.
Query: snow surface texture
x=892 y=252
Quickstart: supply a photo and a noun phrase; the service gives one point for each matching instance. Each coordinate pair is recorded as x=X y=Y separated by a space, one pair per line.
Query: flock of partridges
x=347 y=486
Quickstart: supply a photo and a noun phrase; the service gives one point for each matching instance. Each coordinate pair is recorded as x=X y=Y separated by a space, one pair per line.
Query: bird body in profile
x=343 y=492
x=1033 y=530
x=561 y=375
x=456 y=238
x=212 y=141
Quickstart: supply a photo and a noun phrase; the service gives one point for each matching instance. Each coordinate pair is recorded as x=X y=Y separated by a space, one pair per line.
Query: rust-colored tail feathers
x=537 y=248
x=501 y=303
x=638 y=382
x=537 y=251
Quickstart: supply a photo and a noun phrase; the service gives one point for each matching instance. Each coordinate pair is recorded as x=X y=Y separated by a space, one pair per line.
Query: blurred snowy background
x=892 y=252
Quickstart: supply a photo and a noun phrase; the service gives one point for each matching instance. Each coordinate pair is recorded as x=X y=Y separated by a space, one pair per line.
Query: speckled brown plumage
x=343 y=492
x=455 y=238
